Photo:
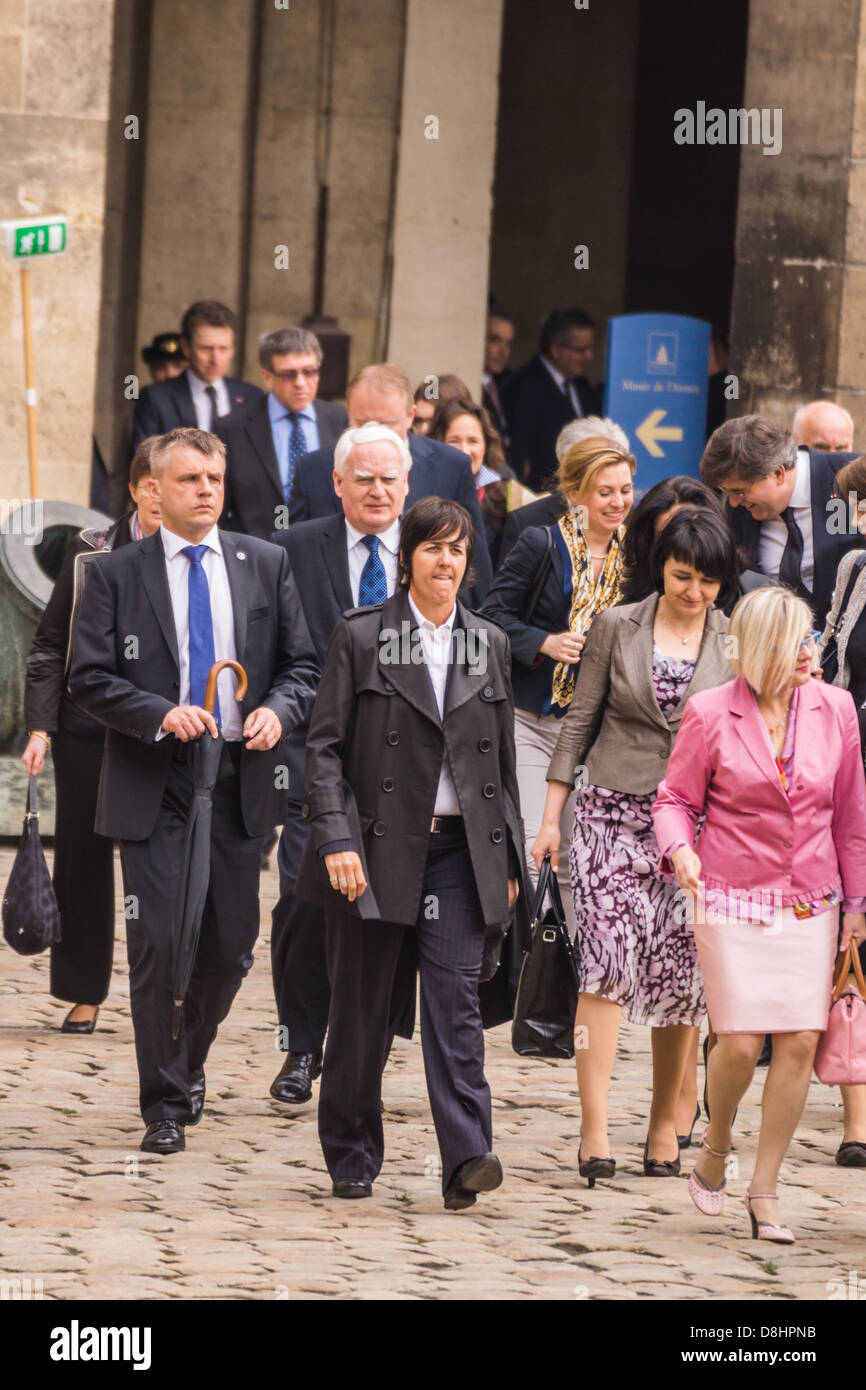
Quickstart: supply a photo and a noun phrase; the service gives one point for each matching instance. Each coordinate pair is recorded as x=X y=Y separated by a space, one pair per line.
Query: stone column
x=54 y=88
x=442 y=215
x=797 y=322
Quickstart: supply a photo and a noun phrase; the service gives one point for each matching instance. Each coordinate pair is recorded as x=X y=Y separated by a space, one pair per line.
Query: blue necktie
x=373 y=587
x=201 y=643
x=297 y=447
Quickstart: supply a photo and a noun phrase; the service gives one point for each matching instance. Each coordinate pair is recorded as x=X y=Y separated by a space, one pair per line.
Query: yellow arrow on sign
x=649 y=432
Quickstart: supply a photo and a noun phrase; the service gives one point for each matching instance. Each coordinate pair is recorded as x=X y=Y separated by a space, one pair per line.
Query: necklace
x=603 y=556
x=685 y=640
x=776 y=729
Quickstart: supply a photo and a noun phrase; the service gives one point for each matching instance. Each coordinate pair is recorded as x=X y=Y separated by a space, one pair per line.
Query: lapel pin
x=242 y=554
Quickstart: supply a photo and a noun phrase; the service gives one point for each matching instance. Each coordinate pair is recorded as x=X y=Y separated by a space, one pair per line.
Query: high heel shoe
x=84 y=1025
x=659 y=1167
x=685 y=1140
x=765 y=1230
x=592 y=1168
x=707 y=1199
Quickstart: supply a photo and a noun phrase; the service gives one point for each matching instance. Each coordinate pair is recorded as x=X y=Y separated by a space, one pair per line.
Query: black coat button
x=484 y=745
x=497 y=836
x=392 y=738
x=388 y=688
x=378 y=827
x=387 y=784
x=488 y=790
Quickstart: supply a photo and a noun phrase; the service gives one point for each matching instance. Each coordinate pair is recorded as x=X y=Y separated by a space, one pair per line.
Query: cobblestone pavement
x=245 y=1212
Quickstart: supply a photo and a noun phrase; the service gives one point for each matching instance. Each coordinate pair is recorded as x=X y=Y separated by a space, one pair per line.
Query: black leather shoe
x=196 y=1097
x=352 y=1187
x=684 y=1141
x=851 y=1154
x=294 y=1084
x=766 y=1052
x=659 y=1167
x=163 y=1137
x=85 y=1025
x=481 y=1174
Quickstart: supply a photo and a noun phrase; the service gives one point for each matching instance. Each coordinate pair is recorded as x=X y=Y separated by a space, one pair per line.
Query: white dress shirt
x=177 y=566
x=389 y=545
x=774 y=533
x=436 y=646
x=201 y=401
x=561 y=385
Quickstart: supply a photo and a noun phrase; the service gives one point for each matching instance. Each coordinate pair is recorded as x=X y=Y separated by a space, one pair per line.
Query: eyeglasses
x=295 y=373
x=810 y=639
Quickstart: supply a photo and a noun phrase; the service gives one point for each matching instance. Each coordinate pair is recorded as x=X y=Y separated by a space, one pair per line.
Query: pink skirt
x=768 y=979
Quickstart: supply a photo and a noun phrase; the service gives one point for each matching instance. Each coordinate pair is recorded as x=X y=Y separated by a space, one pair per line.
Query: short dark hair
x=640 y=535
x=209 y=313
x=700 y=537
x=284 y=340
x=852 y=478
x=750 y=447
x=558 y=325
x=428 y=520
x=447 y=412
x=140 y=466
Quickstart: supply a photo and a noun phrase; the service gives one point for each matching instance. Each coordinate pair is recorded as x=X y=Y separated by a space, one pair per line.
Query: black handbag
x=830 y=654
x=549 y=983
x=31 y=920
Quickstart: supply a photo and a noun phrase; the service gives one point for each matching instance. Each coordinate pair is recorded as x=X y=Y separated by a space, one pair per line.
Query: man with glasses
x=781 y=500
x=265 y=442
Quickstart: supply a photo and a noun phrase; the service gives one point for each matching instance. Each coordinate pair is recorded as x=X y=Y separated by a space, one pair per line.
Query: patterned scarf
x=588 y=596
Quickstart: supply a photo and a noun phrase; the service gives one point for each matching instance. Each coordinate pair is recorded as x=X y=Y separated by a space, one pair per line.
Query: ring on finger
x=344 y=880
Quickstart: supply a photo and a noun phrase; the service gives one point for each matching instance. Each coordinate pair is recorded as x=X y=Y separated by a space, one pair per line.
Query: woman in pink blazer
x=772 y=760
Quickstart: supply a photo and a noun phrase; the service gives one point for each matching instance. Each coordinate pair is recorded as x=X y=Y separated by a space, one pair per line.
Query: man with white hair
x=824 y=426
x=549 y=509
x=345 y=560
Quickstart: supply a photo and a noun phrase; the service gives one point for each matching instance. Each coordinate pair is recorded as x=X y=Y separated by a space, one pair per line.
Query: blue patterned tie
x=373 y=587
x=297 y=447
x=201 y=643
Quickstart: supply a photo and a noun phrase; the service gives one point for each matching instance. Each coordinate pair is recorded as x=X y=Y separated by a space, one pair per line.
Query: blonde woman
x=553 y=583
x=772 y=761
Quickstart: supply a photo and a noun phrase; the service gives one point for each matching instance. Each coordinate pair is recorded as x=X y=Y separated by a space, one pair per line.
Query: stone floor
x=245 y=1213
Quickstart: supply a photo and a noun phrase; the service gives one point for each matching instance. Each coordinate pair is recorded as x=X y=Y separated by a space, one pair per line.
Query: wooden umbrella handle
x=210 y=689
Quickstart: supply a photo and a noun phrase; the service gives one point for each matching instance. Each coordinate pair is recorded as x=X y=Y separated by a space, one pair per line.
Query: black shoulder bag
x=549 y=983
x=31 y=920
x=830 y=654
x=540 y=578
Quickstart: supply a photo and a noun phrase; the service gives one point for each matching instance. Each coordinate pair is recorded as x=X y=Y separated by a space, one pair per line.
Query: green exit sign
x=33 y=236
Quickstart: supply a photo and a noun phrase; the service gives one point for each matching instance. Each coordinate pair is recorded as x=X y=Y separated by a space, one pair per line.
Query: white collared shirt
x=774 y=533
x=389 y=545
x=177 y=566
x=201 y=401
x=560 y=382
x=436 y=646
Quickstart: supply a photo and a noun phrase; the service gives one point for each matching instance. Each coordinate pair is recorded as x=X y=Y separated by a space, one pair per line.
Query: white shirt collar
x=173 y=544
x=427 y=622
x=557 y=376
x=390 y=538
x=802 y=494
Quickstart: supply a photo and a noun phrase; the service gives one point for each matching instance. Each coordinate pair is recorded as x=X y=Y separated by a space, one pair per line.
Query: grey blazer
x=856 y=603
x=614 y=724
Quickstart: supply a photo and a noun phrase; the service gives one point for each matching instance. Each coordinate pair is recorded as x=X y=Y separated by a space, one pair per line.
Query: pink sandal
x=765 y=1230
x=709 y=1200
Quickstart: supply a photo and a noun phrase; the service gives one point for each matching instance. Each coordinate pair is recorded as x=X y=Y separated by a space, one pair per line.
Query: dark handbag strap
x=548 y=886
x=540 y=578
x=849 y=587
x=32 y=812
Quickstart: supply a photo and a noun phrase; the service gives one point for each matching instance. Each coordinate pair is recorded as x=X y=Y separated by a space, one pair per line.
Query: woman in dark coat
x=412 y=800
x=83 y=860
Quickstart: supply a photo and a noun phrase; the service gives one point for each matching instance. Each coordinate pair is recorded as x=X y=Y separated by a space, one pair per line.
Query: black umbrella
x=195 y=872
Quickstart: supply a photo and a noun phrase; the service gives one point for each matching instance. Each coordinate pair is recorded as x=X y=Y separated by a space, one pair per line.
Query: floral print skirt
x=634 y=945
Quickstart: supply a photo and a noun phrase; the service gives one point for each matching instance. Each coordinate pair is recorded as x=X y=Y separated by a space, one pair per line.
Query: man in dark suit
x=548 y=392
x=383 y=393
x=336 y=566
x=265 y=442
x=155 y=618
x=203 y=394
x=497 y=374
x=782 y=507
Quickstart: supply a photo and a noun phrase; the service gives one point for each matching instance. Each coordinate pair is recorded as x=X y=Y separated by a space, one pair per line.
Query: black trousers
x=362 y=960
x=83 y=874
x=230 y=925
x=298 y=959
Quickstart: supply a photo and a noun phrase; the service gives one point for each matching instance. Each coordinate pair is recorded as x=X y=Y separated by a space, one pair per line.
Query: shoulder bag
x=549 y=984
x=31 y=920
x=840 y=1058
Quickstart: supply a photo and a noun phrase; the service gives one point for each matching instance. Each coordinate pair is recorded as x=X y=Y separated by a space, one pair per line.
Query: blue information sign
x=657 y=374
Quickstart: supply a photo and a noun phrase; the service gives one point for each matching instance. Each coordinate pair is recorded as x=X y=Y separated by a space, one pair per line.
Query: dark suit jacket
x=437 y=471
x=127 y=594
x=829 y=547
x=506 y=604
x=536 y=411
x=167 y=405
x=544 y=512
x=254 y=489
x=376 y=741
